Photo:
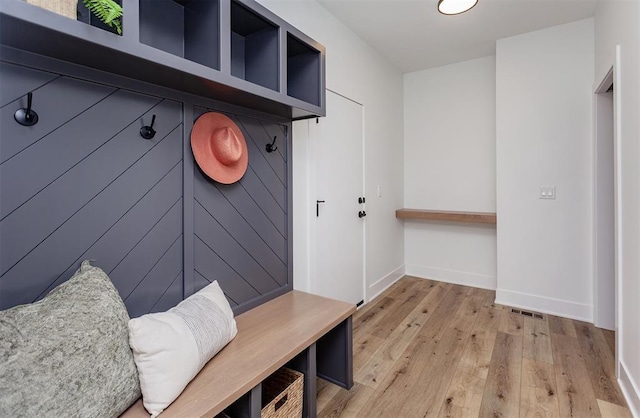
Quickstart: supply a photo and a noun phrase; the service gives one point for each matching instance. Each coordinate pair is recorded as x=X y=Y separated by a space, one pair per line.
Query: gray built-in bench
x=305 y=332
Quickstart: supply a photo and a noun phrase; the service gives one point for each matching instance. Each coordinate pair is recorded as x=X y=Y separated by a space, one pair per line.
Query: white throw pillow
x=170 y=348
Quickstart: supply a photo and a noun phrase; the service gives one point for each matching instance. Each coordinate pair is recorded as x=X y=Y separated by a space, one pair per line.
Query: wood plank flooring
x=430 y=349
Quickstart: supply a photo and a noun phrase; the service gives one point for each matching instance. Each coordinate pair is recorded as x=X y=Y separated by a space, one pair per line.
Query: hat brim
x=206 y=159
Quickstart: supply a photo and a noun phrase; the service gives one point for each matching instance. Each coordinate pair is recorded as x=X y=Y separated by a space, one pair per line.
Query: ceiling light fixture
x=455 y=7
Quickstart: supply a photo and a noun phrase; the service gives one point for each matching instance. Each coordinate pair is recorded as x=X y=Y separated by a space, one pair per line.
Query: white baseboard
x=451 y=276
x=630 y=390
x=546 y=305
x=383 y=284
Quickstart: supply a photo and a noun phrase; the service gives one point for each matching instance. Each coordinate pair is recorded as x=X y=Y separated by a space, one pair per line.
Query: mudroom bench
x=305 y=332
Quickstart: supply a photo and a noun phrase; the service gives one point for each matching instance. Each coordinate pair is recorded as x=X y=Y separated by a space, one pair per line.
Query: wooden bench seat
x=269 y=336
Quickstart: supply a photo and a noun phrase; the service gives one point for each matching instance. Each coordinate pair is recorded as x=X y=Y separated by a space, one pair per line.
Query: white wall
x=618 y=23
x=449 y=147
x=544 y=108
x=357 y=71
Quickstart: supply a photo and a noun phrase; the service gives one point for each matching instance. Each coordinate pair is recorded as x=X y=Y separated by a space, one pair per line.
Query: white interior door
x=337 y=143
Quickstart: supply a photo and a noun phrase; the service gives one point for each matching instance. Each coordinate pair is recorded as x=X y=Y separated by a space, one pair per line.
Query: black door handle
x=362 y=214
x=318 y=207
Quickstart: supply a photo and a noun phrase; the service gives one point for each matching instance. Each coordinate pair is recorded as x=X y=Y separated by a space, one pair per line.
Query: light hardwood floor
x=430 y=349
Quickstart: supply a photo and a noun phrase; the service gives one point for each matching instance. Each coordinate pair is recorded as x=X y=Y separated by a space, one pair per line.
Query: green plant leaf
x=108 y=11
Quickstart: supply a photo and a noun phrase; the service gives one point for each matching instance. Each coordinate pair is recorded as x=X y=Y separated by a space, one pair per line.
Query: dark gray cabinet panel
x=335 y=355
x=83 y=184
x=154 y=284
x=132 y=270
x=260 y=137
x=254 y=47
x=253 y=215
x=28 y=225
x=254 y=187
x=304 y=71
x=86 y=185
x=16 y=85
x=259 y=165
x=202 y=32
x=242 y=231
x=211 y=267
x=278 y=131
x=171 y=297
x=230 y=248
x=188 y=29
x=26 y=229
x=162 y=25
x=59 y=151
x=200 y=282
x=117 y=242
x=77 y=97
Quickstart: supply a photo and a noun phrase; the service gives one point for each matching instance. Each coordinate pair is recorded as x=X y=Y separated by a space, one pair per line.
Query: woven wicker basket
x=68 y=8
x=282 y=394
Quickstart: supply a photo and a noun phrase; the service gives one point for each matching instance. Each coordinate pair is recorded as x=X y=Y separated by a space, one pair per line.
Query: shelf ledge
x=447 y=215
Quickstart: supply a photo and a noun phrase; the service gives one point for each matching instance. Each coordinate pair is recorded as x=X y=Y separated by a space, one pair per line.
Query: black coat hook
x=270 y=147
x=26 y=116
x=147 y=132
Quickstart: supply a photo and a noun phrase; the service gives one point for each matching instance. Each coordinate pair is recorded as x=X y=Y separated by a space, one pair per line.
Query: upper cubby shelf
x=303 y=71
x=234 y=51
x=188 y=29
x=254 y=47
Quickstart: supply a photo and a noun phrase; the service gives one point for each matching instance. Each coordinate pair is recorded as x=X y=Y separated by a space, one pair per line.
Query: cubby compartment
x=254 y=48
x=84 y=15
x=186 y=28
x=303 y=71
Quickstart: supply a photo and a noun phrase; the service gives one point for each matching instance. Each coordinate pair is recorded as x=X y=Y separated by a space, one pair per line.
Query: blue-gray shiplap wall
x=241 y=229
x=82 y=184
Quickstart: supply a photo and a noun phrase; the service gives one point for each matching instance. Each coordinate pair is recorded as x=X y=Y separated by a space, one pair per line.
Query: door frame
x=604 y=171
x=601 y=86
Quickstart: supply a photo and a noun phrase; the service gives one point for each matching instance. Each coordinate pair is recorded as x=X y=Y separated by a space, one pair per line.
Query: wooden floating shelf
x=447 y=215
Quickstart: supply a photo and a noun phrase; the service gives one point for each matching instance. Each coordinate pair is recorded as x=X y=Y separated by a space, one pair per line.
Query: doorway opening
x=604 y=234
x=607 y=242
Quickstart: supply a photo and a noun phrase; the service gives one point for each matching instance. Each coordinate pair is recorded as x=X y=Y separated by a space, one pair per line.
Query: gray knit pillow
x=68 y=354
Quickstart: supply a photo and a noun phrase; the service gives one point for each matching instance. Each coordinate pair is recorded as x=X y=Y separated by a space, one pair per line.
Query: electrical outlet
x=547 y=192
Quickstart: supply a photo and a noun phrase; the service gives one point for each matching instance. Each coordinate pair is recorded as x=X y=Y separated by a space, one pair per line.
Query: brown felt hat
x=219 y=148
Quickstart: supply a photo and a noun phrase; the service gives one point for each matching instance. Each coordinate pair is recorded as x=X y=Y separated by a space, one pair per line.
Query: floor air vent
x=530 y=314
